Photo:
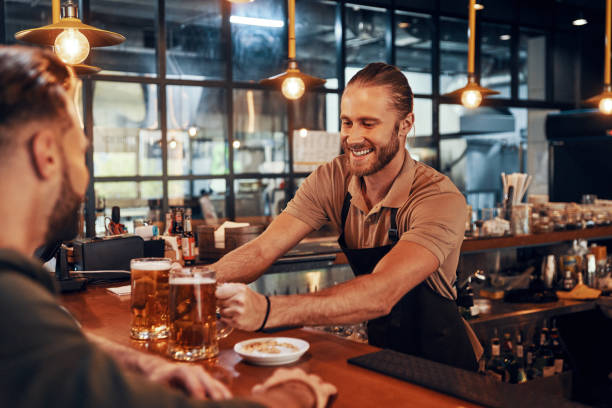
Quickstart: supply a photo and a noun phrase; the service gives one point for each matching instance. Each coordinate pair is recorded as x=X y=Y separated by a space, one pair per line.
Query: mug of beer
x=149 y=298
x=194 y=329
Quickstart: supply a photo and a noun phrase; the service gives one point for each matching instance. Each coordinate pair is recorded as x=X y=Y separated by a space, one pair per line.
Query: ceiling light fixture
x=241 y=1
x=505 y=37
x=292 y=82
x=471 y=95
x=604 y=99
x=70 y=38
x=580 y=20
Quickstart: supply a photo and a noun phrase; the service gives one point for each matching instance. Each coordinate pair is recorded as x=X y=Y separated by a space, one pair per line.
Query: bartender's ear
x=406 y=124
x=44 y=151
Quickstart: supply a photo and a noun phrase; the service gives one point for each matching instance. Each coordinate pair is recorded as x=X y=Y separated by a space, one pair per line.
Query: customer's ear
x=44 y=150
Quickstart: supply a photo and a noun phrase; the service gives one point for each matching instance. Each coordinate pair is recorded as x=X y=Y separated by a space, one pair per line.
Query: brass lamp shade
x=46 y=35
x=471 y=86
x=293 y=71
x=82 y=69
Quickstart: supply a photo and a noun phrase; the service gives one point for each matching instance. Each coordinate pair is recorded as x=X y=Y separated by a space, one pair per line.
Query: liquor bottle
x=188 y=242
x=169 y=222
x=530 y=358
x=178 y=222
x=521 y=373
x=544 y=358
x=495 y=366
x=557 y=348
x=508 y=359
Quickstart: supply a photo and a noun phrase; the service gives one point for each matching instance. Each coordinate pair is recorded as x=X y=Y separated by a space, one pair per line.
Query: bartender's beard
x=64 y=220
x=384 y=154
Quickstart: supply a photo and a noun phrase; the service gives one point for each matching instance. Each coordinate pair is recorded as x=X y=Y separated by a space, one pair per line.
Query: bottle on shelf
x=521 y=372
x=508 y=359
x=188 y=242
x=533 y=371
x=169 y=224
x=495 y=366
x=557 y=349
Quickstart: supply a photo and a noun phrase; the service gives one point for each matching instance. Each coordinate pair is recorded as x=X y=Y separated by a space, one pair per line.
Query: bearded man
x=45 y=358
x=401 y=227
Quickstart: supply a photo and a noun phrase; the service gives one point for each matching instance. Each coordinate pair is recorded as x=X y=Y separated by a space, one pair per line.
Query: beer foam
x=150 y=266
x=191 y=280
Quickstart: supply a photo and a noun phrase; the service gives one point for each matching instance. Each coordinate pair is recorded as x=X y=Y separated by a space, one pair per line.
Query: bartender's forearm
x=363 y=298
x=244 y=264
x=249 y=261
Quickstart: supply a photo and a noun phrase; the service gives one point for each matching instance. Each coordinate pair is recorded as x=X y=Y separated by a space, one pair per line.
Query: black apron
x=423 y=323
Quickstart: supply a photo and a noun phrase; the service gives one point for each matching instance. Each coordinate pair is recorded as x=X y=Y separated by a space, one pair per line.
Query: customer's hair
x=381 y=74
x=32 y=84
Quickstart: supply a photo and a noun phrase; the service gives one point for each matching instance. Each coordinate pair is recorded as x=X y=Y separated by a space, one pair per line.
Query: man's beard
x=384 y=155
x=64 y=220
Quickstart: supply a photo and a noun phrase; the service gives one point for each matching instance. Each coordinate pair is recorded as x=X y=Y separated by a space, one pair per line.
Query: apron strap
x=345 y=208
x=393 y=233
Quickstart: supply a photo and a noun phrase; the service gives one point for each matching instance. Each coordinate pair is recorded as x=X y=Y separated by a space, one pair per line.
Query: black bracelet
x=267 y=314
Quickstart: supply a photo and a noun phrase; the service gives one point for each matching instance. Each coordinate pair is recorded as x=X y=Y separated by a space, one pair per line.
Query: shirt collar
x=11 y=260
x=397 y=194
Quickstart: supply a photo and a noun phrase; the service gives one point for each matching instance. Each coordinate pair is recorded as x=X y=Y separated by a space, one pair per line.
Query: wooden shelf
x=486 y=244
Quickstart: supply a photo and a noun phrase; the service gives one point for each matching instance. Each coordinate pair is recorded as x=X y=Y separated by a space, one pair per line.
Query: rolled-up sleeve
x=308 y=204
x=436 y=222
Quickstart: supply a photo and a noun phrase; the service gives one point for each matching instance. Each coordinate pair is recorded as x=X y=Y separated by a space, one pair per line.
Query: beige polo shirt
x=431 y=212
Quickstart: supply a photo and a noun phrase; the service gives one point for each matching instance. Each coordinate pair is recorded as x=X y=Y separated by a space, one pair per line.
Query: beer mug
x=194 y=329
x=149 y=298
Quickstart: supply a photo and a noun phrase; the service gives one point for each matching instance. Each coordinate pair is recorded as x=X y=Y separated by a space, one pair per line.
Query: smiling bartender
x=401 y=225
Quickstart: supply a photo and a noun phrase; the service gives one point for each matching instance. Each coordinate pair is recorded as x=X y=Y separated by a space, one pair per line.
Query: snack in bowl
x=271 y=350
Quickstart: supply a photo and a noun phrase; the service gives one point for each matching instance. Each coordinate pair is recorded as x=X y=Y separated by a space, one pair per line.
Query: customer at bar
x=401 y=227
x=45 y=359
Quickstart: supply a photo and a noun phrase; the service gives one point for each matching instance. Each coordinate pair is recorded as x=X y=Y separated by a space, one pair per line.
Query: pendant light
x=70 y=38
x=292 y=82
x=604 y=99
x=471 y=95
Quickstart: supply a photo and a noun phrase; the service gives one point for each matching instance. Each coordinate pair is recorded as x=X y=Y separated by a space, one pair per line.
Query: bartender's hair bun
x=381 y=74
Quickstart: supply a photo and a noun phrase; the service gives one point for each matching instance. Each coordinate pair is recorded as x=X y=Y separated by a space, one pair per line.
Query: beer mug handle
x=223 y=330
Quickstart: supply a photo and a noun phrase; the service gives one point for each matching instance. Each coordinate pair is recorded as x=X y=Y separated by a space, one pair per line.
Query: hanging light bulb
x=172 y=144
x=605 y=106
x=72 y=46
x=471 y=99
x=192 y=131
x=303 y=132
x=293 y=88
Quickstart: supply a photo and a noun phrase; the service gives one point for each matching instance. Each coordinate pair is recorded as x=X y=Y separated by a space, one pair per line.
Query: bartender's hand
x=241 y=307
x=292 y=382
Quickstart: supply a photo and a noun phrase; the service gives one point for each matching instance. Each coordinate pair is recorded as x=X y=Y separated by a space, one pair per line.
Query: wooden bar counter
x=108 y=316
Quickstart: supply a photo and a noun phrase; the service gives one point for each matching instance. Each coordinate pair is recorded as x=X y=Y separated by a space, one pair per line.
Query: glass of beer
x=194 y=329
x=150 y=298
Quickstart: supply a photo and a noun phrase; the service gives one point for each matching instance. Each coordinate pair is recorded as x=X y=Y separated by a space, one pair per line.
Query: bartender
x=401 y=227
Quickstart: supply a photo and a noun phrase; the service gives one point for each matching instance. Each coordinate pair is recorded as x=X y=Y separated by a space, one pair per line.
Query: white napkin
x=220 y=232
x=121 y=290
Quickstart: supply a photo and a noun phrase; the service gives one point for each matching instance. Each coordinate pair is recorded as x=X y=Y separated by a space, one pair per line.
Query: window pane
x=131 y=196
x=260 y=132
x=315 y=38
x=259 y=200
x=317 y=111
x=22 y=15
x=197 y=130
x=495 y=57
x=204 y=197
x=422 y=117
x=195 y=46
x=259 y=43
x=365 y=37
x=532 y=65
x=127 y=139
x=413 y=49
x=453 y=54
x=136 y=22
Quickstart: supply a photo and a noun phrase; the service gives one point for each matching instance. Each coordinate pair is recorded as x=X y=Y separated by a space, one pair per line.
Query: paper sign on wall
x=312 y=148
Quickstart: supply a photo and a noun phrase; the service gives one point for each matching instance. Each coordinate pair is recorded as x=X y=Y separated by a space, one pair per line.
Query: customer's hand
x=241 y=307
x=321 y=390
x=192 y=379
